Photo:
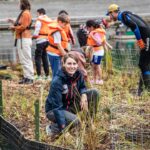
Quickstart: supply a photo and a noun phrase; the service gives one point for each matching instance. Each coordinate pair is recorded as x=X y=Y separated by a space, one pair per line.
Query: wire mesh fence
x=8 y=52
x=130 y=126
x=125 y=59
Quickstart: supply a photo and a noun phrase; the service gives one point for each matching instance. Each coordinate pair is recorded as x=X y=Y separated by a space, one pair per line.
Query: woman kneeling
x=68 y=95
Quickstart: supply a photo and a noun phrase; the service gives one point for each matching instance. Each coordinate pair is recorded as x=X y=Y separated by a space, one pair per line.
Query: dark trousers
x=93 y=100
x=144 y=64
x=41 y=56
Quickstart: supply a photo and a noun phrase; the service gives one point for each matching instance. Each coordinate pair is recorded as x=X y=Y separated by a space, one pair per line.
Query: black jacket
x=64 y=94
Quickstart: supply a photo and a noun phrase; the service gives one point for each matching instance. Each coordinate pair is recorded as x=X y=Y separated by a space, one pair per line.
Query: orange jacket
x=92 y=42
x=54 y=27
x=44 y=31
x=24 y=22
x=69 y=33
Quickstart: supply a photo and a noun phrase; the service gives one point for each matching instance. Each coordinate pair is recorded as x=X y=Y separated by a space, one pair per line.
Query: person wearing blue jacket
x=68 y=95
x=142 y=33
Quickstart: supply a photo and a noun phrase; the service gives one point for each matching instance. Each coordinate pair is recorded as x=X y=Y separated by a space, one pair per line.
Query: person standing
x=41 y=34
x=69 y=31
x=23 y=41
x=142 y=33
x=58 y=42
x=97 y=40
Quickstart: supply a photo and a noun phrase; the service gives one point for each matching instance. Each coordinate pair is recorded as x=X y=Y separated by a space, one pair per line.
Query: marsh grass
x=120 y=113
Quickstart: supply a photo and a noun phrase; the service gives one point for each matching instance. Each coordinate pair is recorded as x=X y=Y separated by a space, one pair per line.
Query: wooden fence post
x=37 y=120
x=1 y=98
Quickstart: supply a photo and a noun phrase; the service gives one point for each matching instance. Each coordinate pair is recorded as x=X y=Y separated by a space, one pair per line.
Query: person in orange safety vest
x=68 y=31
x=97 y=40
x=58 y=42
x=40 y=35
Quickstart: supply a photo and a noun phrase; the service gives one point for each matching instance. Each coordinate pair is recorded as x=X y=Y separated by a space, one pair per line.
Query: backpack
x=82 y=36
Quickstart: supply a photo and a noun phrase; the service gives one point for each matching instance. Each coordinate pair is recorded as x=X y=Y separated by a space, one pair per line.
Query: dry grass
x=119 y=114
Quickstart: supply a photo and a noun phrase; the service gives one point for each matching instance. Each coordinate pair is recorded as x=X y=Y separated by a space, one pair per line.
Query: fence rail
x=75 y=21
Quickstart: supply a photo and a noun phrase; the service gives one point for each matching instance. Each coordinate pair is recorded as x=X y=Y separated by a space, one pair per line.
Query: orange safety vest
x=67 y=30
x=92 y=42
x=44 y=31
x=54 y=27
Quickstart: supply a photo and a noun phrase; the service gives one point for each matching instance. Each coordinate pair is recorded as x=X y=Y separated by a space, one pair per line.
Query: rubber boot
x=140 y=87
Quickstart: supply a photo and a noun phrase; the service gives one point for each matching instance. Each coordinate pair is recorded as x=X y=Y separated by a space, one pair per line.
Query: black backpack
x=82 y=36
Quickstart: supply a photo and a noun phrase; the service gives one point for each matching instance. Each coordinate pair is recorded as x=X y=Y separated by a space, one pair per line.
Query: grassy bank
x=122 y=120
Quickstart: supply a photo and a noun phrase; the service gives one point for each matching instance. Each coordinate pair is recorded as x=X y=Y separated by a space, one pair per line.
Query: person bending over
x=142 y=33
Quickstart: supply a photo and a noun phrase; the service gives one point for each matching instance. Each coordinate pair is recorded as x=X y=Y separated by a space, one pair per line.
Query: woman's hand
x=61 y=49
x=110 y=47
x=84 y=102
x=11 y=21
x=92 y=34
x=11 y=28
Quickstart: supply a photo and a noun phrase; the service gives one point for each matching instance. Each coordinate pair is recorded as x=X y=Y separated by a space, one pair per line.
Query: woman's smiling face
x=70 y=66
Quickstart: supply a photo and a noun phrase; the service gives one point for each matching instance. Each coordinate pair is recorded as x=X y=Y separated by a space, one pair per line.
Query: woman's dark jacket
x=64 y=93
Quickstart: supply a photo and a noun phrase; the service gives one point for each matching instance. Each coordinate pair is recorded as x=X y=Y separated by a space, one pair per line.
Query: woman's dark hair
x=70 y=56
x=41 y=11
x=92 y=23
x=63 y=12
x=24 y=4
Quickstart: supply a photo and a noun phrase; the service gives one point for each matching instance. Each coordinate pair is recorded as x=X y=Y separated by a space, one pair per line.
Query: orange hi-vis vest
x=54 y=27
x=67 y=30
x=92 y=42
x=44 y=31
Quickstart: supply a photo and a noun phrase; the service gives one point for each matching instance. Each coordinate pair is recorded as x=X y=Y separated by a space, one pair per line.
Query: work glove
x=141 y=44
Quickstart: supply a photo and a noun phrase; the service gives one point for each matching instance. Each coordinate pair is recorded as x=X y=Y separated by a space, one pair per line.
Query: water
x=10 y=8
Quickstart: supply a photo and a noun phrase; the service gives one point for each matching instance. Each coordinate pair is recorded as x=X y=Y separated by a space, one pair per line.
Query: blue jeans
x=55 y=62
